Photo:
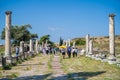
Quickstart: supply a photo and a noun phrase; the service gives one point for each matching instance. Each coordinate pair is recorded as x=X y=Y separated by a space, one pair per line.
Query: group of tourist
x=69 y=50
x=53 y=50
x=49 y=50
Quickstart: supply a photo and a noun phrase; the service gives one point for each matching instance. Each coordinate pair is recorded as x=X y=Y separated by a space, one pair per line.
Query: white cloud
x=55 y=28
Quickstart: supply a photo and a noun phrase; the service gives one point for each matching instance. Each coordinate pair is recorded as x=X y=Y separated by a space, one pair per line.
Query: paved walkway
x=58 y=73
x=36 y=69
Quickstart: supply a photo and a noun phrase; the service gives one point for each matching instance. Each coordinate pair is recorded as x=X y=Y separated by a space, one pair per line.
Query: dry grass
x=86 y=68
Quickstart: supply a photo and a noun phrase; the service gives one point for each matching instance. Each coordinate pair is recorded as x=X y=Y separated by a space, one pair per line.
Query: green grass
x=13 y=75
x=86 y=68
x=49 y=62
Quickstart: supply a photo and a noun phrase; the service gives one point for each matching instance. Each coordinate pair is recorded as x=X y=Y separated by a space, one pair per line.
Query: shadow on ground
x=30 y=64
x=71 y=76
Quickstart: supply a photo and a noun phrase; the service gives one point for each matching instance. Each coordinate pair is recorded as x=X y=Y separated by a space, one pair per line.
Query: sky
x=63 y=18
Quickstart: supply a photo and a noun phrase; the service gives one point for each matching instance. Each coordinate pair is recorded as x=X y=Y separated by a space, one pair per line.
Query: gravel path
x=58 y=73
x=36 y=69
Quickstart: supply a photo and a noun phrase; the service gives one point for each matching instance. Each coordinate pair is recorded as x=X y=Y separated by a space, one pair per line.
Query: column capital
x=112 y=15
x=8 y=12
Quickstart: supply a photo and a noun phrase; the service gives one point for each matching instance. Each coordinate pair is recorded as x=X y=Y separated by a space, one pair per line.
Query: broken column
x=36 y=46
x=69 y=42
x=21 y=47
x=111 y=57
x=66 y=43
x=46 y=43
x=22 y=50
x=91 y=47
x=74 y=44
x=8 y=36
x=31 y=45
x=87 y=43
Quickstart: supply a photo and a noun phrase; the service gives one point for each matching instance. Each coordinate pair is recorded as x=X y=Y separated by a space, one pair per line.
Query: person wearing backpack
x=69 y=51
x=63 y=52
x=76 y=52
x=17 y=50
x=73 y=52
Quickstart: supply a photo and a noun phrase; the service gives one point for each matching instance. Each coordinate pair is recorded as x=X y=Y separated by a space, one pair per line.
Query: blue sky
x=66 y=18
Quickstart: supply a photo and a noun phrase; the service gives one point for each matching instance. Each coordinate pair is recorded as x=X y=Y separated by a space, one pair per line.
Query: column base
x=8 y=60
x=112 y=59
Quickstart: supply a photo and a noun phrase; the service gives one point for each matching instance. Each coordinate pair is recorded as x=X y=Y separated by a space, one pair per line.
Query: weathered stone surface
x=87 y=43
x=8 y=34
x=111 y=57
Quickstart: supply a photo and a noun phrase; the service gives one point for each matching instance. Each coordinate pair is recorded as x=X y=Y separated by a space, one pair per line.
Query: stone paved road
x=58 y=73
x=36 y=69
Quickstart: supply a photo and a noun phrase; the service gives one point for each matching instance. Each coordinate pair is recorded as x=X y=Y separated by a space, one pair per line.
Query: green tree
x=80 y=42
x=61 y=42
x=20 y=33
x=44 y=38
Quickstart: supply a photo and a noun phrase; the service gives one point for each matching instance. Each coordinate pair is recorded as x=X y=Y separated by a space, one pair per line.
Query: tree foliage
x=44 y=38
x=61 y=42
x=80 y=42
x=20 y=33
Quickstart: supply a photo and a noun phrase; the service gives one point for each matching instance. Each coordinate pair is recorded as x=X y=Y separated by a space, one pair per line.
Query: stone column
x=43 y=45
x=22 y=50
x=21 y=47
x=111 y=38
x=46 y=43
x=31 y=45
x=8 y=34
x=36 y=46
x=66 y=43
x=74 y=44
x=91 y=47
x=69 y=42
x=87 y=43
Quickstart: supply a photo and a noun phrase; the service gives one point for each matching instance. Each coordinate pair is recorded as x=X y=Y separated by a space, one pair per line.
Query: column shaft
x=8 y=34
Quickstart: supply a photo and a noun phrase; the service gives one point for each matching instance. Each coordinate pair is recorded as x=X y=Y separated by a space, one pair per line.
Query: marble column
x=8 y=34
x=46 y=43
x=22 y=50
x=69 y=42
x=31 y=45
x=42 y=45
x=112 y=38
x=74 y=44
x=87 y=43
x=91 y=47
x=66 y=43
x=21 y=47
x=36 y=46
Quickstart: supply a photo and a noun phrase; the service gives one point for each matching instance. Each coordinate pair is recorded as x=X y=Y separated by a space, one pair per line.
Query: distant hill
x=100 y=39
x=101 y=42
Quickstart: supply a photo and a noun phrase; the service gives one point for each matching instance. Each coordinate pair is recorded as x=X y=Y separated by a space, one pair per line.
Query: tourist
x=17 y=50
x=73 y=51
x=44 y=51
x=76 y=52
x=55 y=50
x=47 y=50
x=63 y=52
x=69 y=51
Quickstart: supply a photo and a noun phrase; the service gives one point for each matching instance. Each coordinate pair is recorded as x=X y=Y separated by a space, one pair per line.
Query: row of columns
x=89 y=42
x=8 y=39
x=89 y=45
x=67 y=43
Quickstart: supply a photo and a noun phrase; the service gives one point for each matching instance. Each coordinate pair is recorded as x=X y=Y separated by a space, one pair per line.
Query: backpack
x=69 y=49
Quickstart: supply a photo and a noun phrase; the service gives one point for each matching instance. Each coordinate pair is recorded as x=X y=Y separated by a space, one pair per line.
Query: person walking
x=63 y=52
x=73 y=52
x=17 y=51
x=69 y=52
x=76 y=52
